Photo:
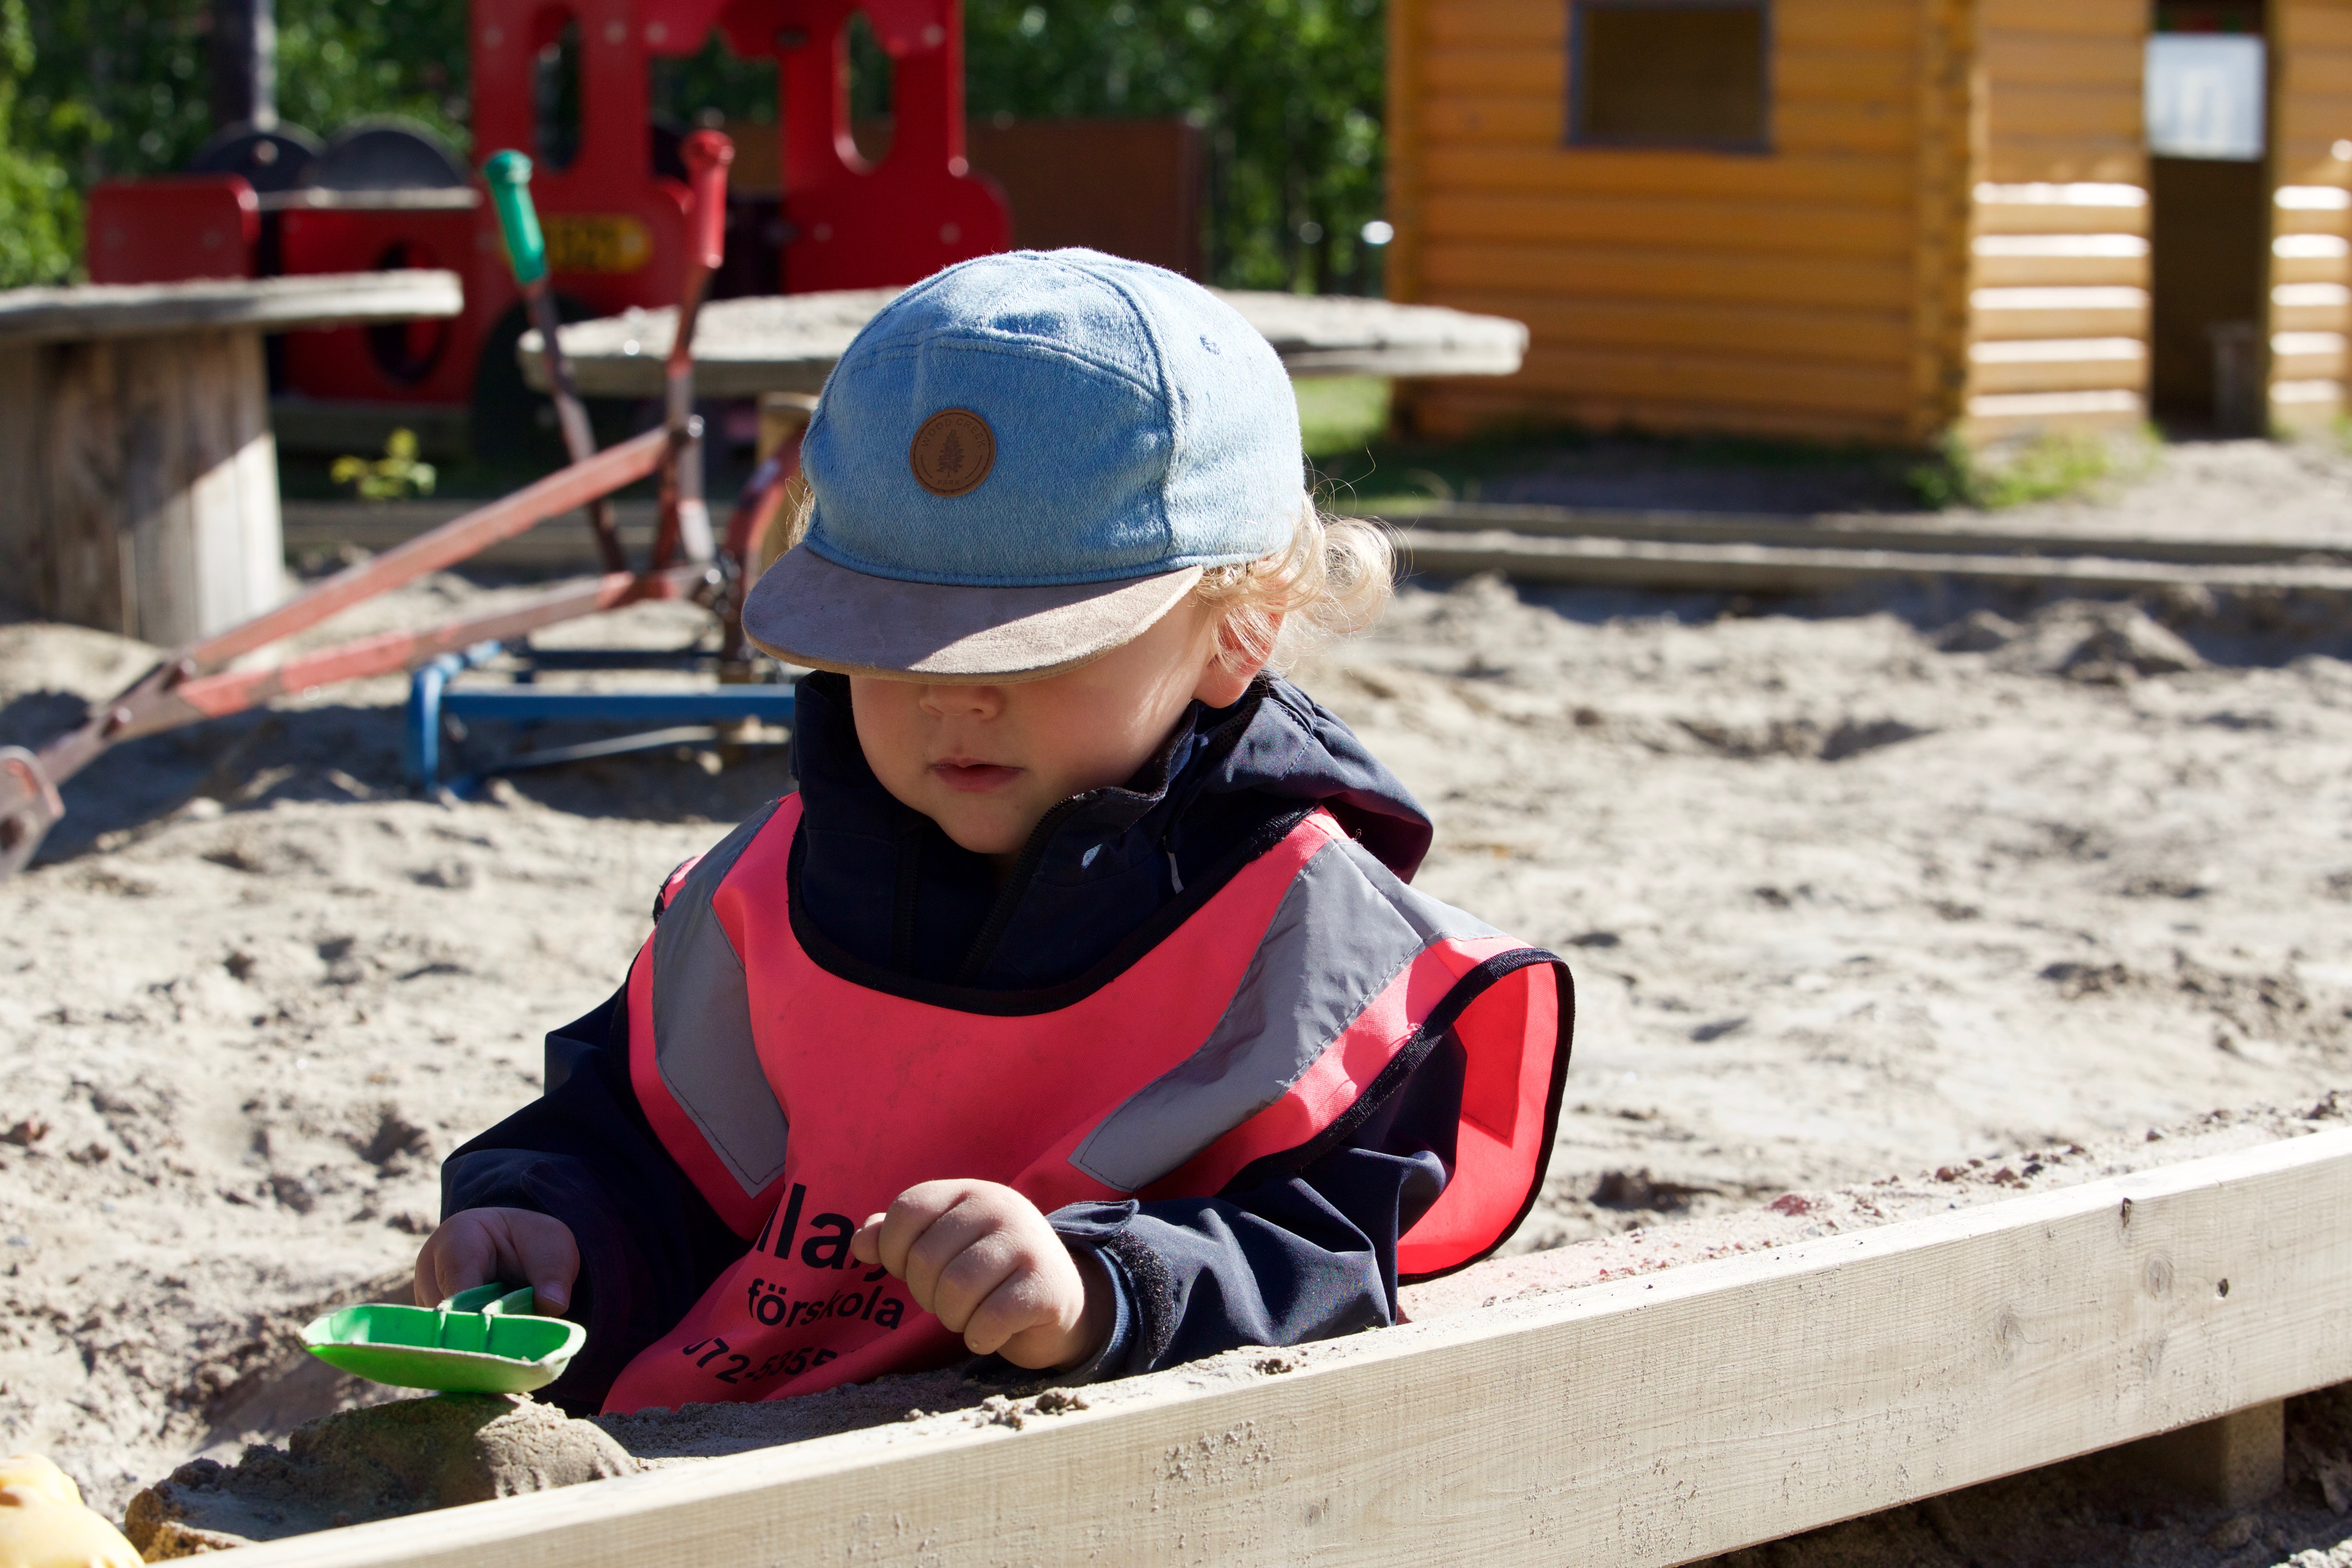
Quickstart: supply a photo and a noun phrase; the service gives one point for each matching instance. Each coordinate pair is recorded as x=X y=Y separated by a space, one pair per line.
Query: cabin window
x=1669 y=73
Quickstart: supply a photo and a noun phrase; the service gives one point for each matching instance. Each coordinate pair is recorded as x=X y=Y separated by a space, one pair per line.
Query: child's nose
x=962 y=701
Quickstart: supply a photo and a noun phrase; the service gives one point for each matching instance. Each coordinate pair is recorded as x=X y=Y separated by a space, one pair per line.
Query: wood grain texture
x=2314 y=77
x=1825 y=334
x=1569 y=172
x=1950 y=112
x=146 y=494
x=1410 y=25
x=1701 y=226
x=95 y=310
x=1469 y=271
x=1634 y=1424
x=765 y=343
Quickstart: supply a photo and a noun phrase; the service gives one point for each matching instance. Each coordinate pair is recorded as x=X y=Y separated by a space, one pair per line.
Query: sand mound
x=379 y=1463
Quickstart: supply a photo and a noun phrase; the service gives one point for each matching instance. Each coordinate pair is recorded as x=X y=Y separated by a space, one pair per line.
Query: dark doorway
x=2210 y=218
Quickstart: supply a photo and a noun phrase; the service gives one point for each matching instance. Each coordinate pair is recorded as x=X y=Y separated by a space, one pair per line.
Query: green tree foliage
x=1288 y=92
x=40 y=214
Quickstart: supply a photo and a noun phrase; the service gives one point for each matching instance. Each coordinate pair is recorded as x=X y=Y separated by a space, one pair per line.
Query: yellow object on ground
x=43 y=1523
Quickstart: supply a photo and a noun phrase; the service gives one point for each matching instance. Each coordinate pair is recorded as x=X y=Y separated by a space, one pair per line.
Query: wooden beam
x=1776 y=569
x=1636 y=1423
x=94 y=311
x=1825 y=532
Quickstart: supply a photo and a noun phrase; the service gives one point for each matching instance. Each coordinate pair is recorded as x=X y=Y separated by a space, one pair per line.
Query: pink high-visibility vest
x=1259 y=1029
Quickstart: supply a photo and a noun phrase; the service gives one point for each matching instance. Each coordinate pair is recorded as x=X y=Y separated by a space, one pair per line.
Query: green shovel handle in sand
x=483 y=1341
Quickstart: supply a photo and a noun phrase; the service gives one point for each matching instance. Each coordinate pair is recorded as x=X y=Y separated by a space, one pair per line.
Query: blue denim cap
x=1026 y=461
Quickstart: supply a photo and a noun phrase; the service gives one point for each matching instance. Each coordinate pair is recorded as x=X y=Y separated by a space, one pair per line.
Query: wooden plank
x=1518 y=68
x=1950 y=68
x=1715 y=379
x=1452 y=410
x=2309 y=270
x=2056 y=376
x=2058 y=272
x=1798 y=333
x=1804 y=126
x=2033 y=217
x=1846 y=531
x=2304 y=25
x=1883 y=75
x=2075 y=18
x=1631 y=1423
x=1800 y=126
x=1838 y=24
x=789 y=342
x=23 y=555
x=1408 y=23
x=2038 y=60
x=1523 y=24
x=1459 y=272
x=2032 y=158
x=2002 y=314
x=1562 y=171
x=1717 y=225
x=93 y=310
x=2319 y=67
x=2025 y=110
x=1775 y=569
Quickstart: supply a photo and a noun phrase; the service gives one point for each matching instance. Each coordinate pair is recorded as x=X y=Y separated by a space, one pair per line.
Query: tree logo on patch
x=952 y=452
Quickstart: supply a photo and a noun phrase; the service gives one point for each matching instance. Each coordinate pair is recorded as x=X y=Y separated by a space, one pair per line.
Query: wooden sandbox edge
x=1642 y=1422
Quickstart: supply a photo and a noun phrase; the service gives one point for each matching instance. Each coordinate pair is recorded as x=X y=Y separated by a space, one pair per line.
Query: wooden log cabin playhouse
x=1881 y=220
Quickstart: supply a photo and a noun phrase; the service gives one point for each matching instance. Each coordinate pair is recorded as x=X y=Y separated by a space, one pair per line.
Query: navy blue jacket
x=900 y=906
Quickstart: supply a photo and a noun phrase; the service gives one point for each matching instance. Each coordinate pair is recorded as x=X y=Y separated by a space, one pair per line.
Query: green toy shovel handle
x=508 y=176
x=492 y=1300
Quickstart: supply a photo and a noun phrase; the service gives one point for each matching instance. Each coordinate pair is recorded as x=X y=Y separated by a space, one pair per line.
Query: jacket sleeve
x=1289 y=1258
x=583 y=1153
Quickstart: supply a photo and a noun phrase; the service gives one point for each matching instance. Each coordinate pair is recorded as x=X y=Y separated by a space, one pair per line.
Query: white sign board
x=2204 y=96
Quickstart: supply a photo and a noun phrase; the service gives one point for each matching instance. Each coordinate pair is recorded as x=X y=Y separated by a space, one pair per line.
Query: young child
x=1076 y=1009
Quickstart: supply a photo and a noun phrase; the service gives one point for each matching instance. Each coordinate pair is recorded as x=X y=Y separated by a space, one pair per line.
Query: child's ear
x=1235 y=660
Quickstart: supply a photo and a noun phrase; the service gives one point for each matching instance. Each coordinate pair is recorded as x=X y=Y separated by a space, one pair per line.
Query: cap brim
x=806 y=610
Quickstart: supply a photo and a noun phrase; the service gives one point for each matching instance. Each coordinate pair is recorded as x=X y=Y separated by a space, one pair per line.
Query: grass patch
x=1341 y=414
x=2049 y=467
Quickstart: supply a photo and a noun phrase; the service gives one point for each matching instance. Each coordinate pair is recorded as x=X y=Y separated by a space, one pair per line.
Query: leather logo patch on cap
x=952 y=452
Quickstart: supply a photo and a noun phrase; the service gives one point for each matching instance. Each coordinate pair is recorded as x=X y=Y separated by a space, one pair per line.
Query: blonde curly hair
x=1334 y=577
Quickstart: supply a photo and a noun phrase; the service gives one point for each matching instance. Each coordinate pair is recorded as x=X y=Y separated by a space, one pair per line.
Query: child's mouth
x=974 y=778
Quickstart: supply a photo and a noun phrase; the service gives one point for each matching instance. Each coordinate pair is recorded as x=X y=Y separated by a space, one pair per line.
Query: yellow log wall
x=1817 y=290
x=2311 y=250
x=2059 y=259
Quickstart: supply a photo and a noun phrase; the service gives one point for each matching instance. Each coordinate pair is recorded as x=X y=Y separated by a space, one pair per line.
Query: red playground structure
x=567 y=82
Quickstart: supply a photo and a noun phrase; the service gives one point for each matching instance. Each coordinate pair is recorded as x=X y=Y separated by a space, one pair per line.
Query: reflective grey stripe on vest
x=702 y=1023
x=1344 y=929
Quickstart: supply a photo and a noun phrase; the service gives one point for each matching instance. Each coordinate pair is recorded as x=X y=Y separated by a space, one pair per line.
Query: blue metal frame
x=689 y=715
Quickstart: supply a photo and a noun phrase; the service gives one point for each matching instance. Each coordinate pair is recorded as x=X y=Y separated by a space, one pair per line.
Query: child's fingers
x=866 y=1242
x=914 y=1213
x=1025 y=1298
x=985 y=1259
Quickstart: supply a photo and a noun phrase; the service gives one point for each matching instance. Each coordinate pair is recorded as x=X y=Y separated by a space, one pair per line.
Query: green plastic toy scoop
x=483 y=1341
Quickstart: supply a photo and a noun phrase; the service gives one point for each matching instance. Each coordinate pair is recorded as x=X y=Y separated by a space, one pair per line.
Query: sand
x=1852 y=890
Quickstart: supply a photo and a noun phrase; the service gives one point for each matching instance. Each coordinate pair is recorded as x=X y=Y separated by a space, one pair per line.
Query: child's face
x=986 y=762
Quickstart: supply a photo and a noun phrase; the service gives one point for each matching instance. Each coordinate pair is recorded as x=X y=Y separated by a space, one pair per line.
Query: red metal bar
x=561 y=491
x=685 y=514
x=572 y=414
x=216 y=695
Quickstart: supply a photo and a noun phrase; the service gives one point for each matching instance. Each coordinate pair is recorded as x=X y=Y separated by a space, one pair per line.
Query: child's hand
x=475 y=1247
x=982 y=1259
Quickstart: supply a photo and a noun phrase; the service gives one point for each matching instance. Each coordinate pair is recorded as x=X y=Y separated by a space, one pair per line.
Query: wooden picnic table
x=138 y=478
x=788 y=342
